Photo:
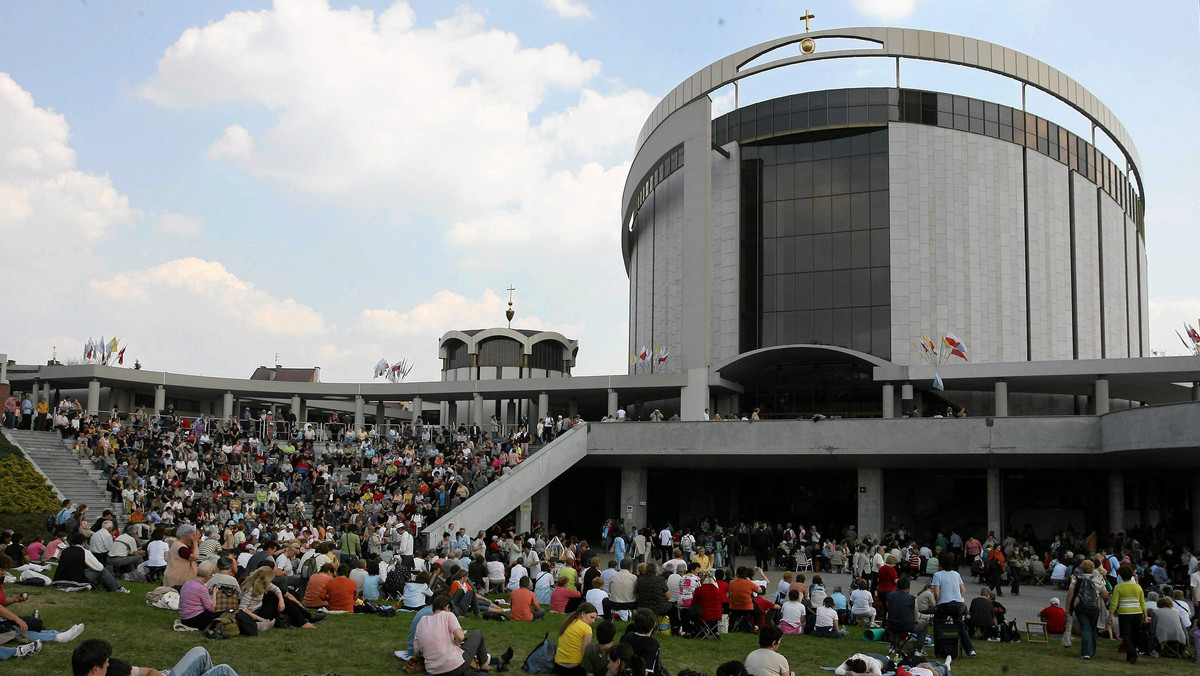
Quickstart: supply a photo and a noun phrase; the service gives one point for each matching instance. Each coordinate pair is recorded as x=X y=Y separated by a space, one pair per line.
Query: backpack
x=308 y=567
x=52 y=523
x=1085 y=594
x=223 y=627
x=1009 y=633
x=541 y=660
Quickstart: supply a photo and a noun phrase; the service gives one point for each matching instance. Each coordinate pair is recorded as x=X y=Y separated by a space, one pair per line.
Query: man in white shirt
x=404 y=546
x=665 y=542
x=101 y=542
x=515 y=574
x=124 y=552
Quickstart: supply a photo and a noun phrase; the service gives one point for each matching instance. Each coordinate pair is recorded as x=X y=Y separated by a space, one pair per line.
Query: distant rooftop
x=287 y=375
x=525 y=332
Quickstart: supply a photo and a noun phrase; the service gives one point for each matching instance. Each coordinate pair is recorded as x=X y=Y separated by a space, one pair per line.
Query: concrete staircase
x=73 y=478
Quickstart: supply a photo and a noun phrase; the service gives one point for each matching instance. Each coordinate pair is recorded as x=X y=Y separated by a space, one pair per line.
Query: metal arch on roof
x=738 y=366
x=906 y=43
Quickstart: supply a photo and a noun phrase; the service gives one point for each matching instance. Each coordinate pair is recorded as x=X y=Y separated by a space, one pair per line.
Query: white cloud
x=723 y=103
x=181 y=225
x=447 y=310
x=885 y=10
x=234 y=144
x=195 y=284
x=568 y=8
x=1167 y=317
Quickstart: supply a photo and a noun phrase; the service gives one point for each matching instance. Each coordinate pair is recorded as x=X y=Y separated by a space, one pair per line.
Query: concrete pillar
x=381 y=413
x=3 y=369
x=995 y=503
x=417 y=406
x=358 y=412
x=541 y=506
x=634 y=496
x=543 y=405
x=1101 y=396
x=1193 y=505
x=93 y=396
x=160 y=397
x=612 y=403
x=477 y=409
x=1001 y=398
x=870 y=502
x=889 y=401
x=444 y=412
x=296 y=406
x=227 y=405
x=1116 y=501
x=693 y=398
x=525 y=517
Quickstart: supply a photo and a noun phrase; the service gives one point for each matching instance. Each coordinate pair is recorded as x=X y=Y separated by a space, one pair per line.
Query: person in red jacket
x=1054 y=616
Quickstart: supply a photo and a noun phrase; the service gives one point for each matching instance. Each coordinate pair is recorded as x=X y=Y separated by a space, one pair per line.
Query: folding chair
x=706 y=629
x=1173 y=649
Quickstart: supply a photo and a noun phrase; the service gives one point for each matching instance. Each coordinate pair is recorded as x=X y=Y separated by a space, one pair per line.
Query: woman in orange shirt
x=342 y=590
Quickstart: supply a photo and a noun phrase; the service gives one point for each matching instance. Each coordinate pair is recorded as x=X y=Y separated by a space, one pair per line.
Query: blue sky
x=216 y=182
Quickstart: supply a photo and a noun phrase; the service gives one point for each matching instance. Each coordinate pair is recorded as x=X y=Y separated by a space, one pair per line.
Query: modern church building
x=792 y=257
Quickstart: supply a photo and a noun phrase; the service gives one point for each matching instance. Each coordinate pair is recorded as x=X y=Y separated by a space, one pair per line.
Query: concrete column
x=693 y=398
x=160 y=397
x=525 y=517
x=417 y=406
x=3 y=369
x=477 y=409
x=1101 y=396
x=541 y=506
x=93 y=396
x=296 y=406
x=612 y=403
x=1193 y=505
x=37 y=386
x=634 y=496
x=870 y=502
x=227 y=405
x=889 y=401
x=1001 y=398
x=543 y=405
x=302 y=411
x=381 y=413
x=358 y=412
x=1116 y=501
x=444 y=412
x=995 y=503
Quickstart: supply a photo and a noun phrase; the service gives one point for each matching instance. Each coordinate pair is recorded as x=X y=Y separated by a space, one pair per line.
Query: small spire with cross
x=509 y=312
x=808 y=16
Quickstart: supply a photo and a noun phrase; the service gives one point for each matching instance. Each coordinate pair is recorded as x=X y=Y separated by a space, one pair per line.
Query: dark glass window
x=499 y=352
x=456 y=355
x=547 y=354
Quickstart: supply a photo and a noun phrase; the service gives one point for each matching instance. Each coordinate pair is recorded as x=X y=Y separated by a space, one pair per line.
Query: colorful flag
x=1192 y=333
x=89 y=349
x=663 y=357
x=111 y=347
x=121 y=356
x=644 y=354
x=937 y=381
x=957 y=347
x=381 y=368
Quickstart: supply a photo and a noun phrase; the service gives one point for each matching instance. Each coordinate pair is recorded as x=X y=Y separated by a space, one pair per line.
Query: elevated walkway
x=71 y=477
x=515 y=489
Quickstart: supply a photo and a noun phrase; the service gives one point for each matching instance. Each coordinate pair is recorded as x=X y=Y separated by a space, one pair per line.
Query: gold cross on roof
x=808 y=16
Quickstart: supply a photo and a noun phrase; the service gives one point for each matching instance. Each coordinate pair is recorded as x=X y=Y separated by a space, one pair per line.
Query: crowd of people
x=270 y=525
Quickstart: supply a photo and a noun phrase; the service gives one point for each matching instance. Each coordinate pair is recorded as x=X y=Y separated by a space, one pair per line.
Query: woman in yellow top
x=573 y=636
x=1128 y=605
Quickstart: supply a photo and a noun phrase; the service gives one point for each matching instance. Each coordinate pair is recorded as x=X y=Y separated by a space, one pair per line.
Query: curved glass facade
x=815 y=241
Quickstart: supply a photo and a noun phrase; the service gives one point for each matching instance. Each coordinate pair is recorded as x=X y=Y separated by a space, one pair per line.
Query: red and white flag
x=957 y=347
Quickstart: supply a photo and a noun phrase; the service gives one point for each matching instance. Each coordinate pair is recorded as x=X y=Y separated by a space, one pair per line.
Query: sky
x=217 y=183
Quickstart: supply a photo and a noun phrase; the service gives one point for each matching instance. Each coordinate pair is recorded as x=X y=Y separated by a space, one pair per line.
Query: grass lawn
x=362 y=644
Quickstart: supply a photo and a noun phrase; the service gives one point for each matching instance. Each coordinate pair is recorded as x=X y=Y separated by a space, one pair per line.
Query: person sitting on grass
x=1054 y=616
x=640 y=636
x=78 y=565
x=564 y=593
x=826 y=624
x=862 y=604
x=196 y=606
x=94 y=657
x=316 y=594
x=523 y=603
x=766 y=661
x=792 y=618
x=448 y=651
x=30 y=627
x=622 y=661
x=595 y=654
x=266 y=602
x=417 y=592
x=465 y=600
x=342 y=591
x=574 y=636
